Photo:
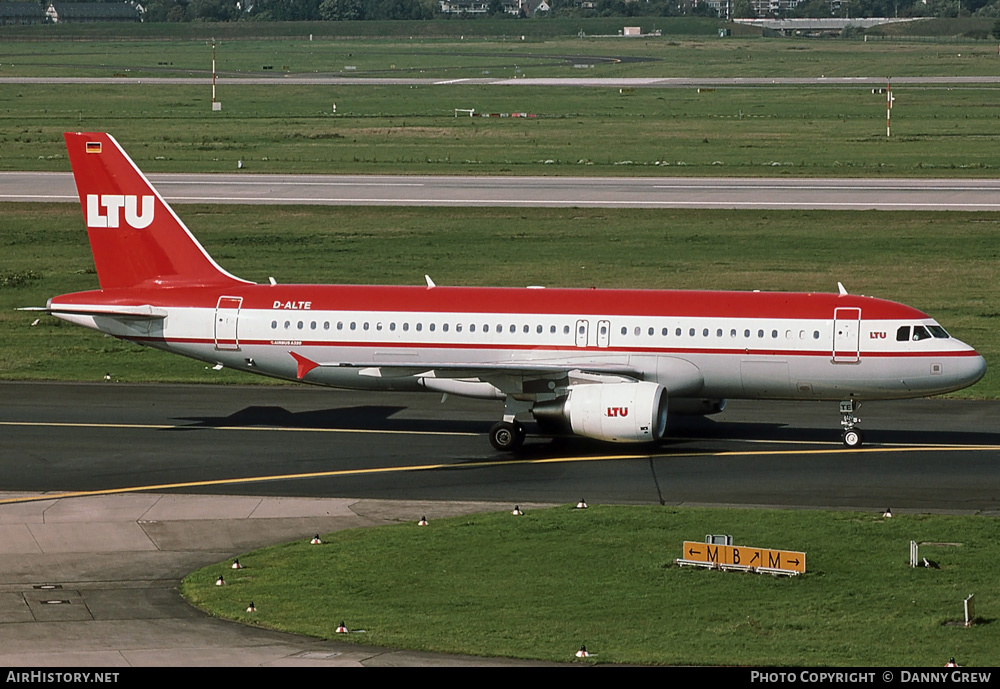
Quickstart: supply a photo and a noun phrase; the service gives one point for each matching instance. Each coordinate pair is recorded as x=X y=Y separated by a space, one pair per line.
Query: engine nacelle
x=614 y=412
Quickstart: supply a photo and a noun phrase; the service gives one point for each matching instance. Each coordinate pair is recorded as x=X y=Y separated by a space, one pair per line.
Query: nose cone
x=975 y=370
x=964 y=370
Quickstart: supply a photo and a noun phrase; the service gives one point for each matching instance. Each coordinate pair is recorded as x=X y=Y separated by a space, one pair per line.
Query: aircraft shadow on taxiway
x=684 y=433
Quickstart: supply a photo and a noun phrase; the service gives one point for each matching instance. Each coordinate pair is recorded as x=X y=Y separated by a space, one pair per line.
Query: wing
x=500 y=380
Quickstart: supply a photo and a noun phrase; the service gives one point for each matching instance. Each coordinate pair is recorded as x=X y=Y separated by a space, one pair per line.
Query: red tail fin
x=135 y=236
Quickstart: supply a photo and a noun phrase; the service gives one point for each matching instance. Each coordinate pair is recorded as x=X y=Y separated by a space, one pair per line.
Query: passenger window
x=274 y=325
x=903 y=334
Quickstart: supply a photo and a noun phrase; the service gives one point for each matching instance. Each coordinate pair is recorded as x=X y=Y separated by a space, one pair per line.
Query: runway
x=567 y=192
x=936 y=455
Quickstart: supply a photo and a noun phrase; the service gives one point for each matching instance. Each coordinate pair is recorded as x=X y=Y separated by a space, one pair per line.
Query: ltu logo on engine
x=105 y=210
x=617 y=411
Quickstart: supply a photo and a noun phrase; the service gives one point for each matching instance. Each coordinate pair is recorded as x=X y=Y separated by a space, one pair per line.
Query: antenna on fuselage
x=841 y=288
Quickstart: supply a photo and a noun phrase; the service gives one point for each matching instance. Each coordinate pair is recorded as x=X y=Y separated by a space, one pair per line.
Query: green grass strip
x=540 y=585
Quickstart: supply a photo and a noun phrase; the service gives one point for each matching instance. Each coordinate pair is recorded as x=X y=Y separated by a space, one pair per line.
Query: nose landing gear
x=852 y=437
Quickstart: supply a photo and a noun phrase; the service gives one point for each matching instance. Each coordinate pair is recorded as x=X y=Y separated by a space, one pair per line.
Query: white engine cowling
x=618 y=412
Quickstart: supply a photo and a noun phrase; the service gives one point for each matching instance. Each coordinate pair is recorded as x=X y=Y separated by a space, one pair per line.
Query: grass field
x=540 y=585
x=943 y=263
x=499 y=57
x=413 y=129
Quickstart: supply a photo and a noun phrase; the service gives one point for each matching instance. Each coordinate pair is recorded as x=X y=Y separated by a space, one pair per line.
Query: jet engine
x=614 y=412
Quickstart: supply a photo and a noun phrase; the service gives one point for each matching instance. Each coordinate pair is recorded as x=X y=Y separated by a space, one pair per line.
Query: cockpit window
x=903 y=334
x=938 y=332
x=920 y=333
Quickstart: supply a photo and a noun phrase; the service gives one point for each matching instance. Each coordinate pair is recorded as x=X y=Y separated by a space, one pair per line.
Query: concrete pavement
x=93 y=581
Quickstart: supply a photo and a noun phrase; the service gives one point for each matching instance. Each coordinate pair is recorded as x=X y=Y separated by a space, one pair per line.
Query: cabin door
x=846 y=335
x=227 y=315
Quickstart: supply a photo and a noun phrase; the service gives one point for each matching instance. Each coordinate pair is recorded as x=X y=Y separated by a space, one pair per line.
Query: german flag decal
x=93 y=147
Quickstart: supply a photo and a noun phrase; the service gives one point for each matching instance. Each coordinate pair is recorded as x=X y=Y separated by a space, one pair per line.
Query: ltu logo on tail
x=105 y=210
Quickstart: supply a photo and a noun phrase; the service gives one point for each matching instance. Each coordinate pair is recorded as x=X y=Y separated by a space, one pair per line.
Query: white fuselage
x=691 y=356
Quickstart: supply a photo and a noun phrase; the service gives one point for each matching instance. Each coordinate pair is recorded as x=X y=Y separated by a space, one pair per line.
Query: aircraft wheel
x=853 y=438
x=506 y=436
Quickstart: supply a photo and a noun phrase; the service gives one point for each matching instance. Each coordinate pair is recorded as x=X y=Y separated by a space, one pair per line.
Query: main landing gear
x=852 y=437
x=507 y=436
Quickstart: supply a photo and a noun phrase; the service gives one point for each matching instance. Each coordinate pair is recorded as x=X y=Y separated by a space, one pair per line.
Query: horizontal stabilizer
x=145 y=311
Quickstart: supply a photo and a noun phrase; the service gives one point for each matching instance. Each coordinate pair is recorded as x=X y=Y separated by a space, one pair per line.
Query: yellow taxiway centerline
x=520 y=461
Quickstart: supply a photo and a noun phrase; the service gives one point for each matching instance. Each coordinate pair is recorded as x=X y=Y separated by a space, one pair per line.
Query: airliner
x=610 y=365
